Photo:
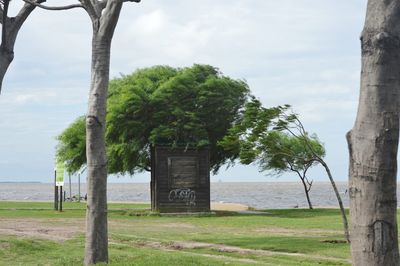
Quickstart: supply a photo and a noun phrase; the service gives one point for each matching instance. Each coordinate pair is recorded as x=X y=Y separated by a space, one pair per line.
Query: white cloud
x=295 y=52
x=151 y=23
x=35 y=98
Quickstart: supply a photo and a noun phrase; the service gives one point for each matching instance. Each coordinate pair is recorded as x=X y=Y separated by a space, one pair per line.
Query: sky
x=305 y=53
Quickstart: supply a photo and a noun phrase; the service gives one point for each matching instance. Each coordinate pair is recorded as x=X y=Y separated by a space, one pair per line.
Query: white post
x=70 y=189
x=79 y=187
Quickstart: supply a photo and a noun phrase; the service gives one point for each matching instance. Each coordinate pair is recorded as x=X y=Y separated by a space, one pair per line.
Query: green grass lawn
x=31 y=233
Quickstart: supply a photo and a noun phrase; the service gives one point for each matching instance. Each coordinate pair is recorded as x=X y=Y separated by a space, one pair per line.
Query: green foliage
x=194 y=106
x=273 y=138
x=72 y=145
x=282 y=152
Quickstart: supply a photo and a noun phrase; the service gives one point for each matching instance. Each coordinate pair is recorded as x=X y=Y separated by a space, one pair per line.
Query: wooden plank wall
x=180 y=180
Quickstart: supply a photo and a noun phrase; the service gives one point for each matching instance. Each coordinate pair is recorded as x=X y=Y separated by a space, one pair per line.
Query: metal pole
x=61 y=198
x=55 y=192
x=70 y=189
x=79 y=187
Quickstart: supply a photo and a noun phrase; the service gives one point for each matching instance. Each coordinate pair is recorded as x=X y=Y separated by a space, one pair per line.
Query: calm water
x=259 y=195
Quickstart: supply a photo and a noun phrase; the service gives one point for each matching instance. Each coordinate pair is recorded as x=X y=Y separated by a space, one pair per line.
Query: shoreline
x=215 y=206
x=212 y=182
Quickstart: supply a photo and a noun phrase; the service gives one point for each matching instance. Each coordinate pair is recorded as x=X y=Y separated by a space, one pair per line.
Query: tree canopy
x=264 y=136
x=193 y=106
x=72 y=145
x=283 y=152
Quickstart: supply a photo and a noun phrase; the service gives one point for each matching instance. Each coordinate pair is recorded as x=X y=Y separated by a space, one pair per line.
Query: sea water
x=260 y=195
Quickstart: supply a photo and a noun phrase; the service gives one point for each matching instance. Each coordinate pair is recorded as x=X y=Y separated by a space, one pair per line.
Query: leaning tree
x=104 y=16
x=373 y=141
x=277 y=140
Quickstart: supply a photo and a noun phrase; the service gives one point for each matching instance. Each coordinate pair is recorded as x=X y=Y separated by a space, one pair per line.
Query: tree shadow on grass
x=303 y=213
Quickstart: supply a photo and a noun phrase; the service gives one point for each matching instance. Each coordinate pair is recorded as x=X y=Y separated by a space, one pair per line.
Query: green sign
x=60 y=174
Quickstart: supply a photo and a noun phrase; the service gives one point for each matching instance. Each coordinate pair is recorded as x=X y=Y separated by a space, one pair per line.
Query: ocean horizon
x=259 y=195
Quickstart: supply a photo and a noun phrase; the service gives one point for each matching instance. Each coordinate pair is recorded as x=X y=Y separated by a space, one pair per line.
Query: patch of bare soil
x=4 y=246
x=118 y=225
x=296 y=232
x=178 y=225
x=59 y=230
x=219 y=206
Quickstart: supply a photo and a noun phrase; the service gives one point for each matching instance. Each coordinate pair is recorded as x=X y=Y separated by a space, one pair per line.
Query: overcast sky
x=300 y=52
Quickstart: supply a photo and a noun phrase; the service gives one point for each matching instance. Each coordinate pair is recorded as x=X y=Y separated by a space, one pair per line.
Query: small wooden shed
x=180 y=179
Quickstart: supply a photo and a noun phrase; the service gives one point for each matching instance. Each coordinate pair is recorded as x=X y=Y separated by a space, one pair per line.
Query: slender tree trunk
x=104 y=23
x=96 y=214
x=373 y=141
x=339 y=199
x=306 y=190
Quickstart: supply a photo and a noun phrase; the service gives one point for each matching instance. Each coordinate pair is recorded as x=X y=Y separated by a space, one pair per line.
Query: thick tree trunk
x=96 y=214
x=373 y=141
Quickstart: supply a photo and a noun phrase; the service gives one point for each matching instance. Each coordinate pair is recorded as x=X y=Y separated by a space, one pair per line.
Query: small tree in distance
x=276 y=139
x=281 y=152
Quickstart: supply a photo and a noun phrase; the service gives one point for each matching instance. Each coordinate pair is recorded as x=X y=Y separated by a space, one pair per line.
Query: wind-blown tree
x=276 y=139
x=104 y=16
x=373 y=141
x=290 y=123
x=274 y=151
x=281 y=152
x=194 y=106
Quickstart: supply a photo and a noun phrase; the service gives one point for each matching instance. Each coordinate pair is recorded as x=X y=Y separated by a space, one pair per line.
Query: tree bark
x=104 y=16
x=6 y=57
x=96 y=214
x=306 y=190
x=339 y=199
x=104 y=23
x=373 y=141
x=10 y=29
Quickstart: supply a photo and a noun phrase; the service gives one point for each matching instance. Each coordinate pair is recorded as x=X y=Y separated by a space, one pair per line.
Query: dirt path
x=56 y=230
x=297 y=232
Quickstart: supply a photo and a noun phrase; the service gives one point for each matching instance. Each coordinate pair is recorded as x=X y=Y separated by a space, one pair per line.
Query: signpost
x=59 y=176
x=55 y=191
